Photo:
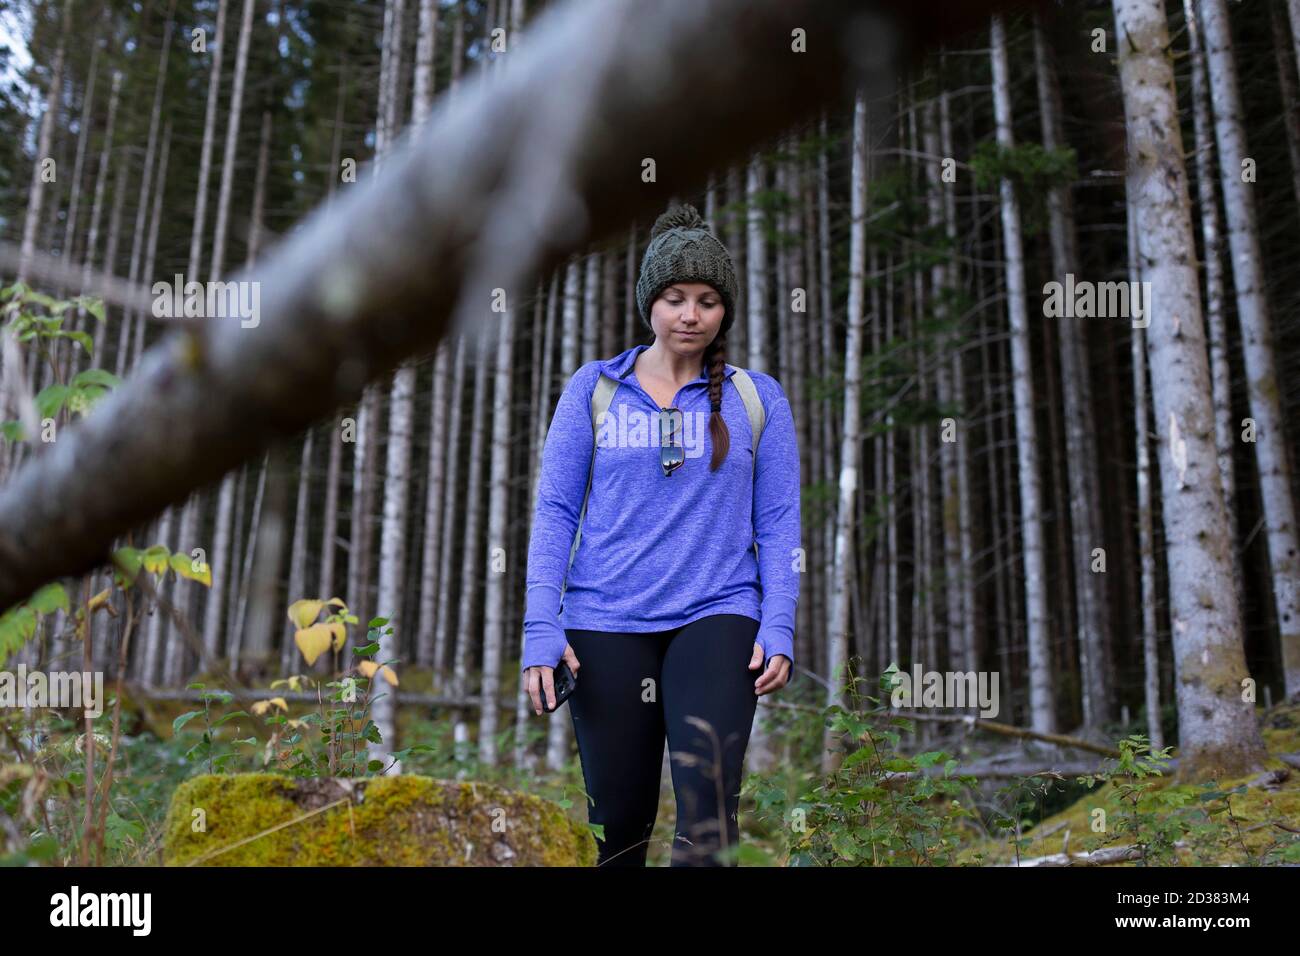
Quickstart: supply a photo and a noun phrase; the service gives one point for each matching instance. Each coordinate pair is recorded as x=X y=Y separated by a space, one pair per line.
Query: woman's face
x=686 y=317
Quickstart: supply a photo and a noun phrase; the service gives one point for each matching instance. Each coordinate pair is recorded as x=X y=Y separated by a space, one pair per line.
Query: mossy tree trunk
x=1217 y=724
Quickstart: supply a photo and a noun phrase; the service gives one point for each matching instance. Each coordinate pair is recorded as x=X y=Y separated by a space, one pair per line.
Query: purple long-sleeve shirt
x=657 y=551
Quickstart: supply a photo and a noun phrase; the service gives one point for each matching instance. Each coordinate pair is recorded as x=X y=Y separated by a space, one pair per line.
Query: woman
x=677 y=622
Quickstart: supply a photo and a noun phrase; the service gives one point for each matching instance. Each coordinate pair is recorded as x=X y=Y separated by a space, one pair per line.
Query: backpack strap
x=601 y=396
x=753 y=408
x=753 y=404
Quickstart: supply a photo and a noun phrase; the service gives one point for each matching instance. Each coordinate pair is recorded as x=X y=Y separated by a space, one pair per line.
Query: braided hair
x=715 y=357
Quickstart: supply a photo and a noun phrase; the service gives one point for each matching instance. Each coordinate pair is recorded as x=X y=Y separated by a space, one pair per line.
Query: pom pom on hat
x=684 y=216
x=684 y=249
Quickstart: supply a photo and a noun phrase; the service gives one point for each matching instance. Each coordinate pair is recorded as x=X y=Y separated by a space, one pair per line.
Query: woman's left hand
x=775 y=677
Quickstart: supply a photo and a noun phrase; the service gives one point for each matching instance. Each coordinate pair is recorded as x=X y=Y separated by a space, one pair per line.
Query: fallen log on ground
x=1103 y=857
x=1010 y=730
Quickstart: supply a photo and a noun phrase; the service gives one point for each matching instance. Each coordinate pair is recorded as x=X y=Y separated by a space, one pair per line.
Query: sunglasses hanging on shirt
x=671 y=455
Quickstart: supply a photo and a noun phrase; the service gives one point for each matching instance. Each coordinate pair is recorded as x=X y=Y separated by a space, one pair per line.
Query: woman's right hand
x=542 y=680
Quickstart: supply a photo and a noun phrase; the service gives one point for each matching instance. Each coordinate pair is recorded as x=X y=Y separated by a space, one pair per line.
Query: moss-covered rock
x=264 y=819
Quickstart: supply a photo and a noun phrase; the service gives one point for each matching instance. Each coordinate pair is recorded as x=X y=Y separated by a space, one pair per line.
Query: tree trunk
x=494 y=609
x=941 y=282
x=1225 y=434
x=1146 y=533
x=631 y=318
x=96 y=212
x=1042 y=704
x=359 y=533
x=36 y=192
x=557 y=731
x=1081 y=452
x=151 y=244
x=329 y=534
x=83 y=137
x=1217 y=727
x=1293 y=11
x=222 y=563
x=158 y=625
x=298 y=550
x=236 y=645
x=453 y=506
x=232 y=143
x=401 y=426
x=425 y=49
x=543 y=408
x=437 y=492
x=466 y=633
x=263 y=588
x=205 y=151
x=110 y=251
x=591 y=307
x=756 y=264
x=124 y=358
x=235 y=592
x=221 y=547
x=1287 y=85
x=392 y=552
x=838 y=636
x=1256 y=338
x=965 y=518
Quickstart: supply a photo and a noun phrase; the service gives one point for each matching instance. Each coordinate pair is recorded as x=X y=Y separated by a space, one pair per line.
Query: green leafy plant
x=57 y=750
x=38 y=319
x=343 y=716
x=18 y=624
x=1020 y=798
x=880 y=807
x=205 y=749
x=1157 y=821
x=331 y=741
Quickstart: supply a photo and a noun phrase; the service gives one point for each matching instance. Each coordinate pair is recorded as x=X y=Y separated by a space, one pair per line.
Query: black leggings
x=635 y=688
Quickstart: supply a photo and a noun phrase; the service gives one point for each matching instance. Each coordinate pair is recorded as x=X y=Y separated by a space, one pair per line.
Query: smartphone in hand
x=565 y=684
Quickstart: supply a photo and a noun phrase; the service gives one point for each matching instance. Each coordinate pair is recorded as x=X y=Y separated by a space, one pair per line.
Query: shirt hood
x=620 y=366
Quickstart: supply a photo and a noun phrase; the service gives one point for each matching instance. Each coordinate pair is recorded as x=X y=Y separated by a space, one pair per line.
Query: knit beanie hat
x=684 y=249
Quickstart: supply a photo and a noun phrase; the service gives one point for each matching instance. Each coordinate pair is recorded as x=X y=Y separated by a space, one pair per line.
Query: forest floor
x=1263 y=813
x=1241 y=828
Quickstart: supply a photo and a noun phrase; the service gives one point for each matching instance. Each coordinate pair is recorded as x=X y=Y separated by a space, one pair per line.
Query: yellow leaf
x=340 y=632
x=184 y=566
x=337 y=602
x=303 y=612
x=155 y=559
x=100 y=599
x=369 y=669
x=262 y=706
x=313 y=641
